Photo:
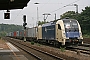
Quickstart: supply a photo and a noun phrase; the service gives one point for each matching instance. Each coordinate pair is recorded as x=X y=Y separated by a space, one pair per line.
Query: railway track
x=86 y=45
x=38 y=54
x=50 y=53
x=80 y=49
x=85 y=48
x=86 y=40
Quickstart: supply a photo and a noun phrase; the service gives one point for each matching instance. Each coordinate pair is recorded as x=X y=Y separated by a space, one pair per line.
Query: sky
x=52 y=7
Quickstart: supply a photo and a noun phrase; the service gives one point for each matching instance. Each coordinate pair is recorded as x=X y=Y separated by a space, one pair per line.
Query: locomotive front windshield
x=70 y=25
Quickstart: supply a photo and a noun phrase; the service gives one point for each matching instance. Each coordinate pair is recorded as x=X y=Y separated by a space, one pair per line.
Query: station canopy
x=13 y=4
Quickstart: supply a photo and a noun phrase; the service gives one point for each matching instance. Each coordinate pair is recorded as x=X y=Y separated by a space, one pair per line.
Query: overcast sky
x=44 y=6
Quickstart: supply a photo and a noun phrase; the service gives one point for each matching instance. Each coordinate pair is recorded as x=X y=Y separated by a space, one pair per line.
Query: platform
x=3 y=45
x=7 y=47
x=10 y=52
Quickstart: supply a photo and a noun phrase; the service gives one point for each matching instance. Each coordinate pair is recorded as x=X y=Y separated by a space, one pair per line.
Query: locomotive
x=60 y=32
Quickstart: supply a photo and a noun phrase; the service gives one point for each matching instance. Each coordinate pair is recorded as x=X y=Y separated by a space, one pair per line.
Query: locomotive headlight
x=80 y=34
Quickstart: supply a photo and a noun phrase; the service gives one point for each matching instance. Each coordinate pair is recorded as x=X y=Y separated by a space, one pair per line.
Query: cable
x=64 y=6
x=3 y=12
x=17 y=15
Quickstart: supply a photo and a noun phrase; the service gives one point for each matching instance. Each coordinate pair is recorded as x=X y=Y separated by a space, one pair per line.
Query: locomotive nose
x=72 y=34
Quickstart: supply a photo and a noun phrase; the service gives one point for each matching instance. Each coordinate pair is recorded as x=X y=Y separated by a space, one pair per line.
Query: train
x=58 y=32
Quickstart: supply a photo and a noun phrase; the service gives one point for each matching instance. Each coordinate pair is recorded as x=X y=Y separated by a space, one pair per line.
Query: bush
x=62 y=49
x=86 y=36
x=32 y=42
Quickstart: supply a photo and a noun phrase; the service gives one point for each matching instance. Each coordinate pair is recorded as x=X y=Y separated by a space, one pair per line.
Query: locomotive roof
x=54 y=22
x=68 y=19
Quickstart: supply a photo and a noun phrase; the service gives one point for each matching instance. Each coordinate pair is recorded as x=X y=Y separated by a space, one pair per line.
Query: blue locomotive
x=60 y=32
x=64 y=31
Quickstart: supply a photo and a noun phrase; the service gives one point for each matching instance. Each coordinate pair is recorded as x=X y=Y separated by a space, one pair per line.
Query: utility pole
x=74 y=5
x=24 y=25
x=37 y=14
x=76 y=8
x=55 y=16
x=37 y=17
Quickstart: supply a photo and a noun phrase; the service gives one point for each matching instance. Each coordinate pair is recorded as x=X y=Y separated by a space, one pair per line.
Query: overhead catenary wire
x=51 y=11
x=64 y=6
x=60 y=7
x=18 y=15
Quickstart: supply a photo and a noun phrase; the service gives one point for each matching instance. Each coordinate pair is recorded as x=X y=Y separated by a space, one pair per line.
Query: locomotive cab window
x=71 y=25
x=59 y=27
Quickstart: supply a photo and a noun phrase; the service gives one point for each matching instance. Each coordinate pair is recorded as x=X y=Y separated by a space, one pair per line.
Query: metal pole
x=24 y=35
x=44 y=18
x=55 y=16
x=76 y=8
x=24 y=25
x=37 y=16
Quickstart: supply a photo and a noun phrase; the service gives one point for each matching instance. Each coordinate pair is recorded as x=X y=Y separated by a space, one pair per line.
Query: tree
x=84 y=20
x=70 y=14
x=6 y=28
x=41 y=22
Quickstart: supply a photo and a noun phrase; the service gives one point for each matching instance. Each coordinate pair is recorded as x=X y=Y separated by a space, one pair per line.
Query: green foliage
x=70 y=14
x=83 y=18
x=2 y=33
x=6 y=28
x=32 y=42
x=38 y=44
x=86 y=35
x=85 y=21
x=41 y=22
x=62 y=49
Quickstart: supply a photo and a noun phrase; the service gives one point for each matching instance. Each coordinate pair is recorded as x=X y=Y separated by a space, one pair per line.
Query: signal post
x=24 y=25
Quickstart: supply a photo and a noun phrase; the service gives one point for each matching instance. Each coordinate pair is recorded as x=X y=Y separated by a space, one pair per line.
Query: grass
x=32 y=42
x=62 y=49
x=38 y=44
x=86 y=36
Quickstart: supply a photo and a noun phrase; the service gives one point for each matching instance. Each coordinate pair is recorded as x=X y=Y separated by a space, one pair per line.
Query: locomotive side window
x=59 y=27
